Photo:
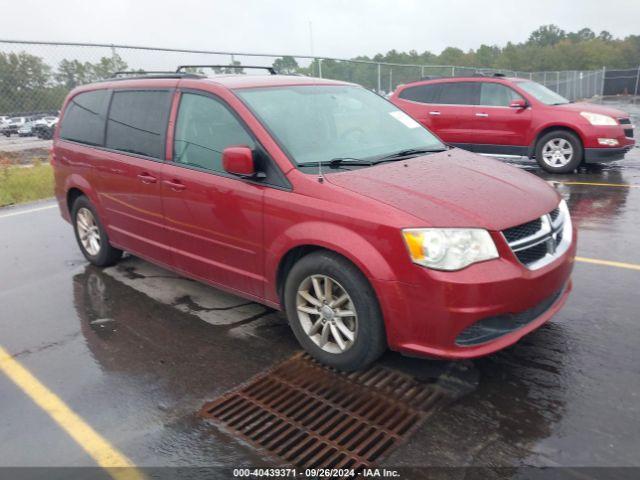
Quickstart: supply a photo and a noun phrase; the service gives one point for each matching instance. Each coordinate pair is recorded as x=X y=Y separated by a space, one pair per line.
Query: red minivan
x=320 y=198
x=516 y=116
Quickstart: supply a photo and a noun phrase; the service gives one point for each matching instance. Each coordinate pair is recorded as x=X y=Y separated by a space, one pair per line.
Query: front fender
x=337 y=238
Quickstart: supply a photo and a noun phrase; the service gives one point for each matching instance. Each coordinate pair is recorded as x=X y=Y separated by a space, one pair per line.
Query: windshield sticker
x=405 y=119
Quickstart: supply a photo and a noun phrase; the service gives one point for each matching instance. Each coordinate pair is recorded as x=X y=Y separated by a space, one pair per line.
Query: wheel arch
x=336 y=239
x=551 y=128
x=76 y=186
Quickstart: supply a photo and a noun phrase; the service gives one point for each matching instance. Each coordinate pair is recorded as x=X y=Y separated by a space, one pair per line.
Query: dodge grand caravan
x=322 y=199
x=516 y=116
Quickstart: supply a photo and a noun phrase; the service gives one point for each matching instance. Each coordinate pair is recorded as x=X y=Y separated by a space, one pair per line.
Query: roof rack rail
x=271 y=70
x=126 y=75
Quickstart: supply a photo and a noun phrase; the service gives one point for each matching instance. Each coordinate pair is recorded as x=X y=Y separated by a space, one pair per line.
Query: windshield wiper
x=408 y=152
x=340 y=161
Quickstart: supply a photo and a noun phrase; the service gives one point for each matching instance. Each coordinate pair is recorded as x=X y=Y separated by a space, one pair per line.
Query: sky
x=339 y=28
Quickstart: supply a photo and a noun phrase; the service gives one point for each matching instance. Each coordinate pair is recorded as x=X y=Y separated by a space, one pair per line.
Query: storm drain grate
x=310 y=416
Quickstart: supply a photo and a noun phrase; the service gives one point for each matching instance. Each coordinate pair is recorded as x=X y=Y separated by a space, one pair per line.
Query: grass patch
x=25 y=184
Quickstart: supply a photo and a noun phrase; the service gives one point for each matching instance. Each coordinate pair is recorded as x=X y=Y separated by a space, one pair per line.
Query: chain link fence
x=35 y=77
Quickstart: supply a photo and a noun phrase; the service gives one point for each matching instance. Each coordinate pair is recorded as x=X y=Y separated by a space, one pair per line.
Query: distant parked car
x=44 y=127
x=13 y=125
x=27 y=130
x=515 y=116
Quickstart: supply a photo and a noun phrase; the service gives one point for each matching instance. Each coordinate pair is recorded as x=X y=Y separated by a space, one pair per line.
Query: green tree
x=72 y=73
x=107 y=66
x=24 y=80
x=547 y=35
x=286 y=65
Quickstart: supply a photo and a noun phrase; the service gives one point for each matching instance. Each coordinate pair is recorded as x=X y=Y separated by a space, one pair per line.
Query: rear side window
x=421 y=93
x=137 y=122
x=204 y=129
x=84 y=118
x=497 y=95
x=460 y=93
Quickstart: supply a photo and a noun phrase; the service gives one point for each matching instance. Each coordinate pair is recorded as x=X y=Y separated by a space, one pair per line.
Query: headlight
x=597 y=119
x=449 y=248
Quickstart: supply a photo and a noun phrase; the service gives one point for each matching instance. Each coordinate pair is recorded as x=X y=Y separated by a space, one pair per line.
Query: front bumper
x=429 y=320
x=597 y=155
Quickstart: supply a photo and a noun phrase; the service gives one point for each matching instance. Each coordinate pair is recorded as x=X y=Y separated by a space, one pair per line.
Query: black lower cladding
x=594 y=155
x=491 y=328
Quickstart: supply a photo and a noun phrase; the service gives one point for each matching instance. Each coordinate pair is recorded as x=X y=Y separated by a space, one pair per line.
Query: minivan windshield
x=341 y=123
x=542 y=93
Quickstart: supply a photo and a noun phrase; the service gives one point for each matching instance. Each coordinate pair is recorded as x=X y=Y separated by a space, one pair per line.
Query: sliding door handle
x=175 y=185
x=146 y=178
x=434 y=113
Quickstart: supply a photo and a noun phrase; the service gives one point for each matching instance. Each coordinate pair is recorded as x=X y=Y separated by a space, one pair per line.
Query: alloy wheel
x=88 y=231
x=327 y=313
x=557 y=152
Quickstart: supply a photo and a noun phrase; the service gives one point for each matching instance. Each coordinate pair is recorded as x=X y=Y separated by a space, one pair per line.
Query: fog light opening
x=608 y=142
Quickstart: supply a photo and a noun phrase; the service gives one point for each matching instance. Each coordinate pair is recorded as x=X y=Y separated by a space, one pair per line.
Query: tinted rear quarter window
x=421 y=93
x=137 y=122
x=84 y=117
x=460 y=93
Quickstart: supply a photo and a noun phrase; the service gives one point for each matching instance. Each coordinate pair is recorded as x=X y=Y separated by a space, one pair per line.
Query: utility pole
x=379 y=79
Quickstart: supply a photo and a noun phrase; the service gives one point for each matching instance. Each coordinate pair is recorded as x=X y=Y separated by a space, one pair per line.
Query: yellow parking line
x=609 y=263
x=105 y=455
x=596 y=184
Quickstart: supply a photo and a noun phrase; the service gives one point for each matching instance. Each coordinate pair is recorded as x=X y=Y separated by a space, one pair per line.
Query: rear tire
x=91 y=236
x=559 y=151
x=347 y=330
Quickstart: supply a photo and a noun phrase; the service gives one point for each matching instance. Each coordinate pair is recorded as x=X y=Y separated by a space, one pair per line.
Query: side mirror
x=519 y=103
x=239 y=161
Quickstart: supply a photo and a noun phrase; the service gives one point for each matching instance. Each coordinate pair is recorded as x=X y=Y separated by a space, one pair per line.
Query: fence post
x=320 y=67
x=635 y=92
x=390 y=79
x=422 y=72
x=558 y=81
x=604 y=76
x=379 y=73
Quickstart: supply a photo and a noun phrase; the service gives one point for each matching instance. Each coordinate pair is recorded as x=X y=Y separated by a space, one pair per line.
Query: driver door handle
x=434 y=113
x=482 y=114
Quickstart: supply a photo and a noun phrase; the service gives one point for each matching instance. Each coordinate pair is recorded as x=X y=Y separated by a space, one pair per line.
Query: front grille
x=624 y=121
x=539 y=241
x=522 y=231
x=532 y=254
x=628 y=132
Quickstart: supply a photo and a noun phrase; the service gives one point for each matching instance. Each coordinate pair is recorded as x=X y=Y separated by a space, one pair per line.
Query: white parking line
x=31 y=210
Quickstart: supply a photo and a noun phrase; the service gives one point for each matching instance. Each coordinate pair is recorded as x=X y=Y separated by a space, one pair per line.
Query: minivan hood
x=454 y=188
x=593 y=108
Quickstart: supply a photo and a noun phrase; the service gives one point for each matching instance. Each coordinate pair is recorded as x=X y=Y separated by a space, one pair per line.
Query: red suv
x=320 y=198
x=514 y=116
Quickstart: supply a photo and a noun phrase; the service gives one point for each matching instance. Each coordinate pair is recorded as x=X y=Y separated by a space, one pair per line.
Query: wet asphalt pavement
x=136 y=351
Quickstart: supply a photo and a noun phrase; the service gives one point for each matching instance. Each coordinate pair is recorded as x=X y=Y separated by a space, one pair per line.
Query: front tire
x=333 y=311
x=91 y=235
x=559 y=151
